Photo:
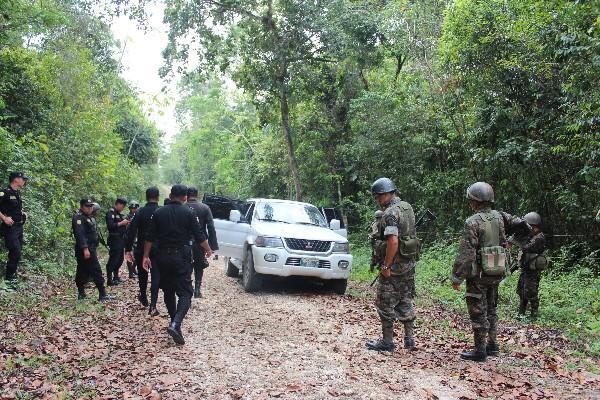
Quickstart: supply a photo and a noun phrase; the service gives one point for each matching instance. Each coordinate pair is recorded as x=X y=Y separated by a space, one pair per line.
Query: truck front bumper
x=280 y=262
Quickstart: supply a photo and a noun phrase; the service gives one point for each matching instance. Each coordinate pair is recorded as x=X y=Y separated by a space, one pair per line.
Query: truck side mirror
x=335 y=225
x=235 y=216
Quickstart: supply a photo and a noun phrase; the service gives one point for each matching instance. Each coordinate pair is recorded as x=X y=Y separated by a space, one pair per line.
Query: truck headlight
x=341 y=247
x=268 y=241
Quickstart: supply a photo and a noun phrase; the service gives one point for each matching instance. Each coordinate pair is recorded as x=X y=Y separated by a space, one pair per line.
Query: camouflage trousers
x=394 y=299
x=482 y=301
x=528 y=286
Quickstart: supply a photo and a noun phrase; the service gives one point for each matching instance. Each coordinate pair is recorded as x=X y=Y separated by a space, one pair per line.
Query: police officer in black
x=131 y=264
x=173 y=227
x=138 y=229
x=13 y=218
x=86 y=241
x=116 y=223
x=200 y=262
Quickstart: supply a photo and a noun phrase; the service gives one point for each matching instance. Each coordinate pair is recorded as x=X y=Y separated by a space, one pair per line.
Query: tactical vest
x=491 y=255
x=409 y=246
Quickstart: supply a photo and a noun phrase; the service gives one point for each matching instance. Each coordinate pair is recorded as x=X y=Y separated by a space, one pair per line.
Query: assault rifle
x=426 y=217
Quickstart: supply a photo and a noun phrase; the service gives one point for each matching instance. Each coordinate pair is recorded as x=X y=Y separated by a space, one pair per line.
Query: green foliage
x=68 y=121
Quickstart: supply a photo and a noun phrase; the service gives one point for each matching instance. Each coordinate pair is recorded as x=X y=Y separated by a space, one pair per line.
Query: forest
x=308 y=101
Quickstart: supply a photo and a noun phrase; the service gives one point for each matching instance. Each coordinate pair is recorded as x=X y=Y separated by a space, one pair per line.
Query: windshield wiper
x=309 y=223
x=272 y=220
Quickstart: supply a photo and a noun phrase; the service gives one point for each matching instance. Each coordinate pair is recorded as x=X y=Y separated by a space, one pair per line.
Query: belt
x=173 y=250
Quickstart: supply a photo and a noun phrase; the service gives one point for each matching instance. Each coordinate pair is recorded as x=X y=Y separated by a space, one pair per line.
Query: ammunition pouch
x=409 y=247
x=493 y=261
x=536 y=262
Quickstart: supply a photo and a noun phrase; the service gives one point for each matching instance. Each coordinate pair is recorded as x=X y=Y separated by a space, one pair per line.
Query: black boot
x=386 y=343
x=153 y=312
x=197 y=293
x=143 y=298
x=102 y=296
x=131 y=269
x=80 y=293
x=478 y=354
x=175 y=331
x=492 y=349
x=409 y=340
x=523 y=306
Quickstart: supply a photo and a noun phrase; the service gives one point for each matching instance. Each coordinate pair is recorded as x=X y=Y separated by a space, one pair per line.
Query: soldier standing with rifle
x=207 y=225
x=138 y=230
x=532 y=263
x=481 y=261
x=86 y=242
x=117 y=226
x=173 y=227
x=397 y=273
x=13 y=218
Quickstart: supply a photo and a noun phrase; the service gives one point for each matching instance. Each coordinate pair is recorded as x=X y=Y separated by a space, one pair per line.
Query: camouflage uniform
x=529 y=281
x=394 y=299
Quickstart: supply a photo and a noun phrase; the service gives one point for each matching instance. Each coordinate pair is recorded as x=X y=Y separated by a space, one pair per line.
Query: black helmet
x=134 y=204
x=383 y=185
x=533 y=218
x=481 y=191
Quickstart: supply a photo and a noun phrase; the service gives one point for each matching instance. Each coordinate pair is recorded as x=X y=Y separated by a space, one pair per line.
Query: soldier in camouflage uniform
x=532 y=248
x=397 y=272
x=485 y=229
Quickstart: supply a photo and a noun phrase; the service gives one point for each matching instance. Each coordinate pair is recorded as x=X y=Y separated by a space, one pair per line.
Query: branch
x=231 y=8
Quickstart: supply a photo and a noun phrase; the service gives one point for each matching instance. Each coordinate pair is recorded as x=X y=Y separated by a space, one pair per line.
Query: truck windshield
x=290 y=213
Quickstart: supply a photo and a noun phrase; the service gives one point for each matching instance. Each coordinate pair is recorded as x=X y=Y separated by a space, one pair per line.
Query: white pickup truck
x=279 y=237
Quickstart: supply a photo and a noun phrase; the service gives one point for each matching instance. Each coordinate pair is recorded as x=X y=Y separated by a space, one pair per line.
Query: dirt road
x=291 y=340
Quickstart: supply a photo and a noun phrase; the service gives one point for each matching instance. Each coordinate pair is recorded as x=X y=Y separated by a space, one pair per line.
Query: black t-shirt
x=140 y=225
x=11 y=204
x=174 y=225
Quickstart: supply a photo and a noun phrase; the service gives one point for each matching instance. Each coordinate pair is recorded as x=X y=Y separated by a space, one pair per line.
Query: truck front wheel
x=337 y=286
x=251 y=280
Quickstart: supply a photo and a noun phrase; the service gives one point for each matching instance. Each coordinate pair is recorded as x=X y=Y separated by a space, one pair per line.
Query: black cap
x=14 y=175
x=192 y=192
x=86 y=201
x=179 y=190
x=120 y=200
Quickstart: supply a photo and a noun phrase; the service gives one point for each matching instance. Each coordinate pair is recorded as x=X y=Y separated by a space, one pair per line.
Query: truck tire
x=251 y=280
x=231 y=270
x=338 y=286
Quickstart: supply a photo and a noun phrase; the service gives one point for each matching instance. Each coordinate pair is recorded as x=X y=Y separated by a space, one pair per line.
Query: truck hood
x=296 y=231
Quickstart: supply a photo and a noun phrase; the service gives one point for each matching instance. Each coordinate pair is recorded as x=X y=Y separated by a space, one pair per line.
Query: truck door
x=231 y=232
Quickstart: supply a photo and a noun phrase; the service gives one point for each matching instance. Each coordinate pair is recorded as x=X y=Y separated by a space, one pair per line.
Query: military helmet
x=95 y=207
x=481 y=191
x=533 y=218
x=383 y=185
x=134 y=204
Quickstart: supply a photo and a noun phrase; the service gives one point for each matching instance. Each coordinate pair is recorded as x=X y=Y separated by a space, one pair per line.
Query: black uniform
x=132 y=267
x=207 y=225
x=116 y=244
x=86 y=236
x=11 y=205
x=173 y=227
x=138 y=228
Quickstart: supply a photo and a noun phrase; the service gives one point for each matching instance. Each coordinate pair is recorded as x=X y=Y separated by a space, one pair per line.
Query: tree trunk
x=287 y=134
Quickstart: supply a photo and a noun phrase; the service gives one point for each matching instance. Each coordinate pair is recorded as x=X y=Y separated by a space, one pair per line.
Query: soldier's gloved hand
x=146 y=264
x=86 y=253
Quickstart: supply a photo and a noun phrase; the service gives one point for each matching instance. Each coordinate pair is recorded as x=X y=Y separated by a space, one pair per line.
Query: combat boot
x=492 y=349
x=106 y=297
x=153 y=312
x=174 y=330
x=386 y=343
x=409 y=340
x=143 y=298
x=523 y=306
x=478 y=354
x=81 y=294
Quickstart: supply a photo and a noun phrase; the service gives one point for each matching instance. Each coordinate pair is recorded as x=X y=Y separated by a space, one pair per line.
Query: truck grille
x=316 y=246
x=296 y=262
